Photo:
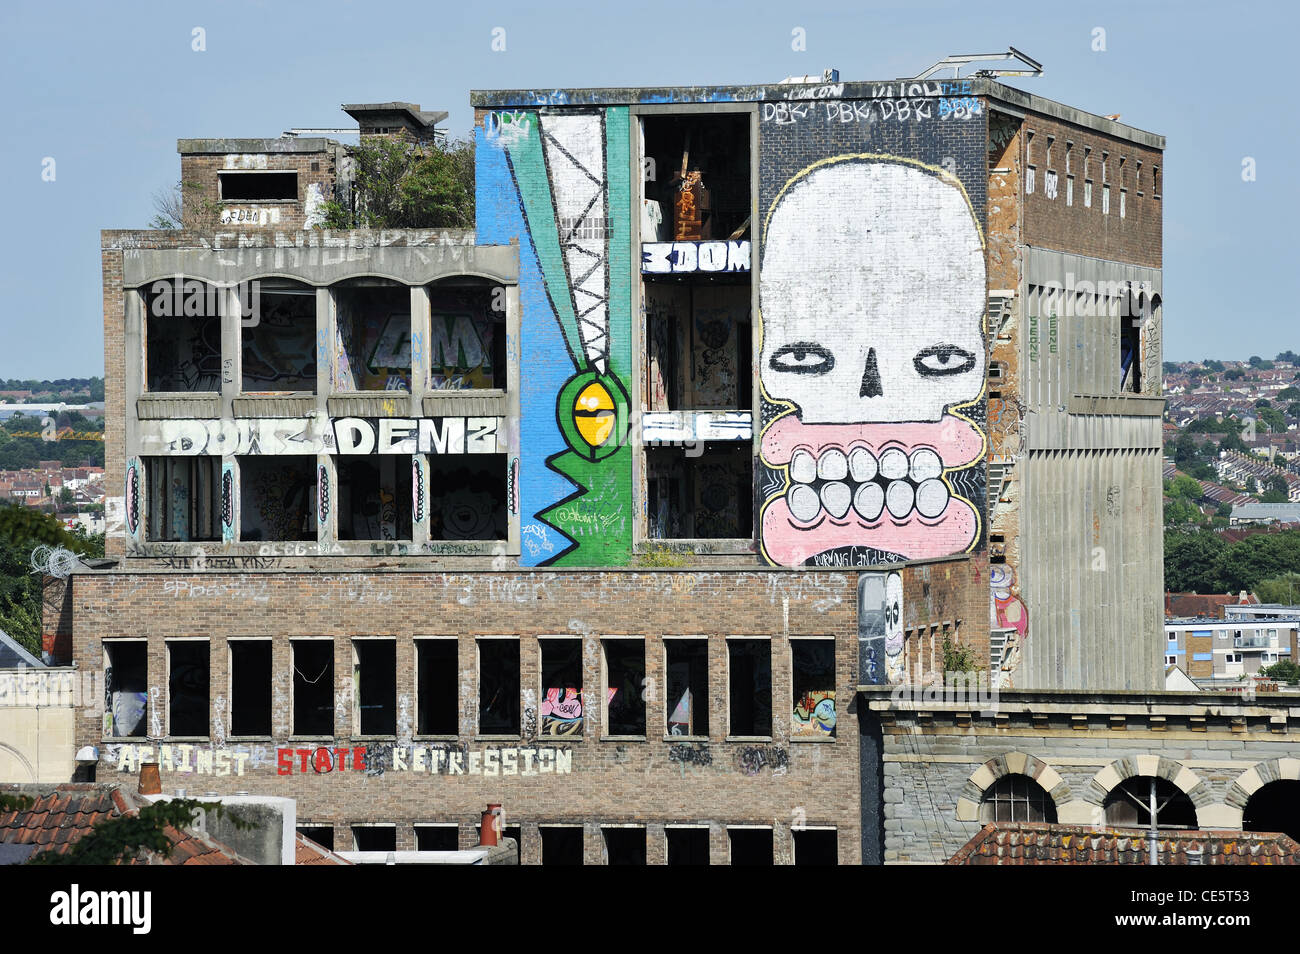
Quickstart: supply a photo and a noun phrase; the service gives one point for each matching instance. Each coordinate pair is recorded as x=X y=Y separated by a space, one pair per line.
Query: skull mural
x=872 y=296
x=894 y=629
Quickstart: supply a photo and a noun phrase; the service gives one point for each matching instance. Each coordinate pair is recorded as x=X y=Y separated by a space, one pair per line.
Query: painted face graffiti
x=894 y=628
x=872 y=334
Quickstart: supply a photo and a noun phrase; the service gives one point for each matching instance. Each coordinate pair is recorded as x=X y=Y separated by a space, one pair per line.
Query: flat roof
x=412 y=110
x=187 y=147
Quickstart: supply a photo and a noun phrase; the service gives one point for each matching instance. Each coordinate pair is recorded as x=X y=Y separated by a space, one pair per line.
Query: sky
x=105 y=90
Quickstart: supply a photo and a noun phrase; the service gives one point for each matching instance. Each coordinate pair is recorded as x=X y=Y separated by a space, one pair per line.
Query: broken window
x=313 y=686
x=561 y=844
x=437 y=687
x=1016 y=798
x=279 y=339
x=696 y=177
x=1133 y=802
x=374 y=686
x=813 y=678
x=498 y=686
x=184 y=498
x=183 y=335
x=700 y=494
x=250 y=687
x=687 y=846
x=467 y=338
x=624 y=685
x=561 y=686
x=437 y=837
x=188 y=667
x=126 y=683
x=374 y=497
x=624 y=846
x=750 y=846
x=375 y=837
x=467 y=497
x=815 y=846
x=698 y=341
x=277 y=497
x=323 y=835
x=257 y=185
x=688 y=687
x=374 y=335
x=750 y=679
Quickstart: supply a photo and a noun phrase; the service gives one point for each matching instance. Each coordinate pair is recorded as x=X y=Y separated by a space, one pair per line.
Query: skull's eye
x=802 y=357
x=939 y=360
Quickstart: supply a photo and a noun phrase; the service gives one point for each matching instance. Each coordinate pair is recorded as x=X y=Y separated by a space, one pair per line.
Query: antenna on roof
x=957 y=61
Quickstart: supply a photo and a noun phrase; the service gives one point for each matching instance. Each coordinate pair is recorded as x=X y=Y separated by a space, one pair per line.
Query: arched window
x=1017 y=798
x=1274 y=807
x=1131 y=802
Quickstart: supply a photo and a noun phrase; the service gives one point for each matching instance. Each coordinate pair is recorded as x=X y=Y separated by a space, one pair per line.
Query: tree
x=399 y=184
x=184 y=206
x=1284 y=589
x=1212 y=365
x=1273 y=418
x=1190 y=559
x=1288 y=356
x=1234 y=374
x=1185 y=487
x=1242 y=565
x=1284 y=670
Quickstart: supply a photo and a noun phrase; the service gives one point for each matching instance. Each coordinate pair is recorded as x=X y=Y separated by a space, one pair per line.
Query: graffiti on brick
x=752 y=759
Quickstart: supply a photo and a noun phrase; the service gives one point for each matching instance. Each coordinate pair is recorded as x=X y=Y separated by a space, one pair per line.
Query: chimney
x=489 y=827
x=150 y=781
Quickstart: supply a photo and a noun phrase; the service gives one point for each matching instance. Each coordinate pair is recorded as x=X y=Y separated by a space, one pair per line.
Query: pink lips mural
x=868 y=485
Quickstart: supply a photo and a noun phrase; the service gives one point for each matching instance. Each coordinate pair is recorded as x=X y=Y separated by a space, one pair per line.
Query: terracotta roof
x=1038 y=843
x=1188 y=605
x=61 y=815
x=308 y=852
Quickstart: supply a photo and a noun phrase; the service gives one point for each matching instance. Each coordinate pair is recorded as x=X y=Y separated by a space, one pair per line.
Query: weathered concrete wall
x=38 y=710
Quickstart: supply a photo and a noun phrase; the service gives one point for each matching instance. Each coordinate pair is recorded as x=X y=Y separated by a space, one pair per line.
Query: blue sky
x=107 y=89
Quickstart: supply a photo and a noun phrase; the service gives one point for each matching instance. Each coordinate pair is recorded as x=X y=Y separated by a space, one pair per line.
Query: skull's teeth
x=803 y=468
x=862 y=465
x=836 y=497
x=832 y=465
x=834 y=482
x=899 y=497
x=925 y=465
x=931 y=497
x=869 y=501
x=804 y=503
x=893 y=464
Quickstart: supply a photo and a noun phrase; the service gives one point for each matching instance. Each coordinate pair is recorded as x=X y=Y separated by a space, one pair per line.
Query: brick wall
x=312 y=168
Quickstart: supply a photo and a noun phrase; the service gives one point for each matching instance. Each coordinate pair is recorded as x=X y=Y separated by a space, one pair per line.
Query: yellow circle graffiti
x=593 y=414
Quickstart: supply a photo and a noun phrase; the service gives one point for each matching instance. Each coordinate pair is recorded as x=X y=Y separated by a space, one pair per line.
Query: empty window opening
x=375 y=837
x=750 y=678
x=188 y=673
x=698 y=340
x=467 y=497
x=561 y=686
x=750 y=846
x=374 y=497
x=498 y=687
x=561 y=844
x=1017 y=798
x=688 y=686
x=277 y=498
x=687 y=846
x=815 y=846
x=126 y=678
x=624 y=846
x=313 y=686
x=1274 y=807
x=1132 y=803
x=374 y=685
x=467 y=338
x=374 y=335
x=813 y=678
x=323 y=835
x=437 y=687
x=258 y=186
x=624 y=685
x=184 y=498
x=437 y=838
x=250 y=687
x=279 y=340
x=183 y=336
x=696 y=177
x=694 y=494
x=1130 y=364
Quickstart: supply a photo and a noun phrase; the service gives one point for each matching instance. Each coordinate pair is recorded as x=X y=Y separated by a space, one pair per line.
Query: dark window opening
x=375 y=837
x=467 y=497
x=258 y=186
x=498 y=687
x=1129 y=804
x=374 y=677
x=323 y=835
x=688 y=686
x=437 y=687
x=561 y=845
x=815 y=846
x=183 y=336
x=184 y=498
x=751 y=846
x=698 y=344
x=1274 y=807
x=1017 y=798
x=562 y=703
x=624 y=685
x=313 y=686
x=750 y=678
x=1130 y=355
x=374 y=497
x=697 y=174
x=126 y=680
x=188 y=675
x=250 y=687
x=277 y=498
x=279 y=339
x=624 y=846
x=374 y=332
x=688 y=846
x=437 y=838
x=467 y=338
x=813 y=678
x=706 y=496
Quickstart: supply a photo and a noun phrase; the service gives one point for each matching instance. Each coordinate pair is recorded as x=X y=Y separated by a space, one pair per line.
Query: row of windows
x=626 y=699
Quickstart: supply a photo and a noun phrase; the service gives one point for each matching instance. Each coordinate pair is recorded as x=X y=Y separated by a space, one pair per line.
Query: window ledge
x=435 y=738
x=623 y=738
x=674 y=739
x=498 y=738
x=749 y=738
x=250 y=738
x=812 y=739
